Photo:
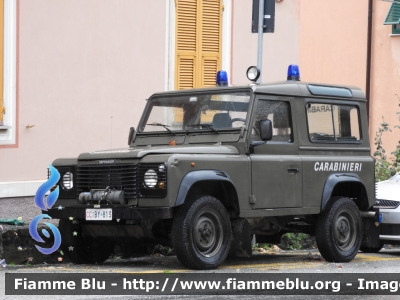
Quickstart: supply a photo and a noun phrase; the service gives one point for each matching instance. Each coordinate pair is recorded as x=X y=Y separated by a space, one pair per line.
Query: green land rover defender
x=209 y=168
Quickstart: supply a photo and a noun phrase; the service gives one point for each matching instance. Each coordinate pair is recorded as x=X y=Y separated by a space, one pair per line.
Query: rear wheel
x=201 y=233
x=81 y=248
x=339 y=231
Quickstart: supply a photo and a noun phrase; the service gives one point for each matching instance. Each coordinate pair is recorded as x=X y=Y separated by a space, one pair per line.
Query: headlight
x=153 y=180
x=68 y=180
x=150 y=178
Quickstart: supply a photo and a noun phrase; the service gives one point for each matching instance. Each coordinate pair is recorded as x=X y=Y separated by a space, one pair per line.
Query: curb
x=18 y=247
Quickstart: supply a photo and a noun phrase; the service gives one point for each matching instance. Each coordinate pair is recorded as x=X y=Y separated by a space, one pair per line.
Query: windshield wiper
x=162 y=125
x=209 y=126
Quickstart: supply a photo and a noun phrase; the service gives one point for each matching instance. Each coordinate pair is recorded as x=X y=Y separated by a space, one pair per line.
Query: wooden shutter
x=210 y=41
x=198 y=42
x=186 y=32
x=2 y=109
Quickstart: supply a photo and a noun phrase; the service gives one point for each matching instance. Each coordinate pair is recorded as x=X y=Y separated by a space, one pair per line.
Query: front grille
x=389 y=229
x=386 y=203
x=117 y=176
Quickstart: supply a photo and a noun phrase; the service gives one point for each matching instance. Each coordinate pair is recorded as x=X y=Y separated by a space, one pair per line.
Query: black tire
x=339 y=231
x=371 y=249
x=80 y=248
x=201 y=233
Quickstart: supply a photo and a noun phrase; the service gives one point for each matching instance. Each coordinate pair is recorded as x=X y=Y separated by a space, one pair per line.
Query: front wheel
x=339 y=231
x=201 y=233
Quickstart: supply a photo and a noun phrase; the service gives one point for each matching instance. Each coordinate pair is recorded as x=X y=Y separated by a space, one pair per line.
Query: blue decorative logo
x=45 y=187
x=40 y=202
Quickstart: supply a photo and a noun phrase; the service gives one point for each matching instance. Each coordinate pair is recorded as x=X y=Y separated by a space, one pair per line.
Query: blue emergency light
x=293 y=73
x=222 y=78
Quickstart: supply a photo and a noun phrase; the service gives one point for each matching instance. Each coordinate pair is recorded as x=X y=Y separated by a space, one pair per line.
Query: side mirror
x=266 y=130
x=131 y=132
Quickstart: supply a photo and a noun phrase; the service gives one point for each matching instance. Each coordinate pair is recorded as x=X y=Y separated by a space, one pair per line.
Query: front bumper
x=122 y=213
x=390 y=226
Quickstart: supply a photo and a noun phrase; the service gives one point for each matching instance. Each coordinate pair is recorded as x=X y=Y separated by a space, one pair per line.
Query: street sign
x=269 y=16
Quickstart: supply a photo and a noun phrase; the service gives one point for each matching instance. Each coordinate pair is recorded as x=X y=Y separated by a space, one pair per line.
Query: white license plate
x=99 y=214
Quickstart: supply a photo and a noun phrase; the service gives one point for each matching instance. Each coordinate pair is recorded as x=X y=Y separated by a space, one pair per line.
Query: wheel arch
x=345 y=185
x=209 y=182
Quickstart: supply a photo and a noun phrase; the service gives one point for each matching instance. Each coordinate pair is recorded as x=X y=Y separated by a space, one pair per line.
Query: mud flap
x=241 y=238
x=370 y=222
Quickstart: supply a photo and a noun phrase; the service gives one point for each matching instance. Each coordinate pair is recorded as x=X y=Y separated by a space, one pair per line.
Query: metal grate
x=117 y=176
x=389 y=229
x=386 y=203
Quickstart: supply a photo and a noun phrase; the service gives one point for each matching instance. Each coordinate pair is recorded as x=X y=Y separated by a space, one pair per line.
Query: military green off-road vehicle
x=209 y=168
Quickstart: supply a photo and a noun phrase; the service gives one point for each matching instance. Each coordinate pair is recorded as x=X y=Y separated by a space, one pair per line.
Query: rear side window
x=329 y=123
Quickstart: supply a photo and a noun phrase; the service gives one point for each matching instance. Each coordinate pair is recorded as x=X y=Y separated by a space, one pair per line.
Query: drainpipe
x=369 y=57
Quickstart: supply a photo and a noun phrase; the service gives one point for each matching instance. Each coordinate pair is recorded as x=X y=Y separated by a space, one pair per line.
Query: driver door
x=276 y=167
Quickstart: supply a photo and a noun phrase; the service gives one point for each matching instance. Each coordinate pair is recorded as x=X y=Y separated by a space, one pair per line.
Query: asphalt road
x=284 y=262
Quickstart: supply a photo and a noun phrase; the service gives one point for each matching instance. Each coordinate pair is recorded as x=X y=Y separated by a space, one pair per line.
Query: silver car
x=388 y=201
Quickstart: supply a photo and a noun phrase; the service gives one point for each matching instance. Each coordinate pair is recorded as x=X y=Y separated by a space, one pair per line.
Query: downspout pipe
x=369 y=57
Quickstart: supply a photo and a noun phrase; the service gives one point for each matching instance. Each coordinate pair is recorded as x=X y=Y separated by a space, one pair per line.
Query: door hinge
x=252 y=199
x=242 y=131
x=3 y=110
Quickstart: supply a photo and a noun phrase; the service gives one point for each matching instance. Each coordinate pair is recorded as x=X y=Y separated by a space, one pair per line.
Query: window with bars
x=198 y=42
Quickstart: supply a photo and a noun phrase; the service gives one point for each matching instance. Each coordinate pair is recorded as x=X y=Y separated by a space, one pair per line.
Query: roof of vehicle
x=290 y=87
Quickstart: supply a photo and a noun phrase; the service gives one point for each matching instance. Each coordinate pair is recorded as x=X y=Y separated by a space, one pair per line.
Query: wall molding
x=19 y=188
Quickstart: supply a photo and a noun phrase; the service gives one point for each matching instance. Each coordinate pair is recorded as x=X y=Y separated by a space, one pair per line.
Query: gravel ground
x=12 y=208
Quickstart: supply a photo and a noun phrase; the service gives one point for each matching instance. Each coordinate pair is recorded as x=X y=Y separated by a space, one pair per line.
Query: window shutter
x=186 y=31
x=393 y=16
x=198 y=42
x=210 y=41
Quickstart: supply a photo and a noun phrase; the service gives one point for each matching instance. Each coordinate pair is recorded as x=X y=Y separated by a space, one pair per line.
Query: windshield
x=202 y=111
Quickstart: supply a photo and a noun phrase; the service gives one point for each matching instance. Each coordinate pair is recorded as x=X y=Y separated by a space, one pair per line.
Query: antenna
x=111 y=131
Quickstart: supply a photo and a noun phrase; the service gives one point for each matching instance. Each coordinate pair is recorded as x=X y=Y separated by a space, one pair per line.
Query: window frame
x=337 y=103
x=9 y=129
x=396 y=29
x=149 y=105
x=290 y=115
x=170 y=42
x=193 y=56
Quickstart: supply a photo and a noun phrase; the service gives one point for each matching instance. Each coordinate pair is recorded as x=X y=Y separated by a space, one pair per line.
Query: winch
x=106 y=195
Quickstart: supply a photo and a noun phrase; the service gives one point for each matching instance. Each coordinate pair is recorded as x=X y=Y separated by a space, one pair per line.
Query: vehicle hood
x=388 y=190
x=137 y=152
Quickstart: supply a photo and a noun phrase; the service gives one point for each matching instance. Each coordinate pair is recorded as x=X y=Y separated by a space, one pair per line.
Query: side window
x=329 y=123
x=279 y=114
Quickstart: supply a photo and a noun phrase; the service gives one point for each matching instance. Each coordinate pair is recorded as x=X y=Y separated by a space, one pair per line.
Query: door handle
x=293 y=170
